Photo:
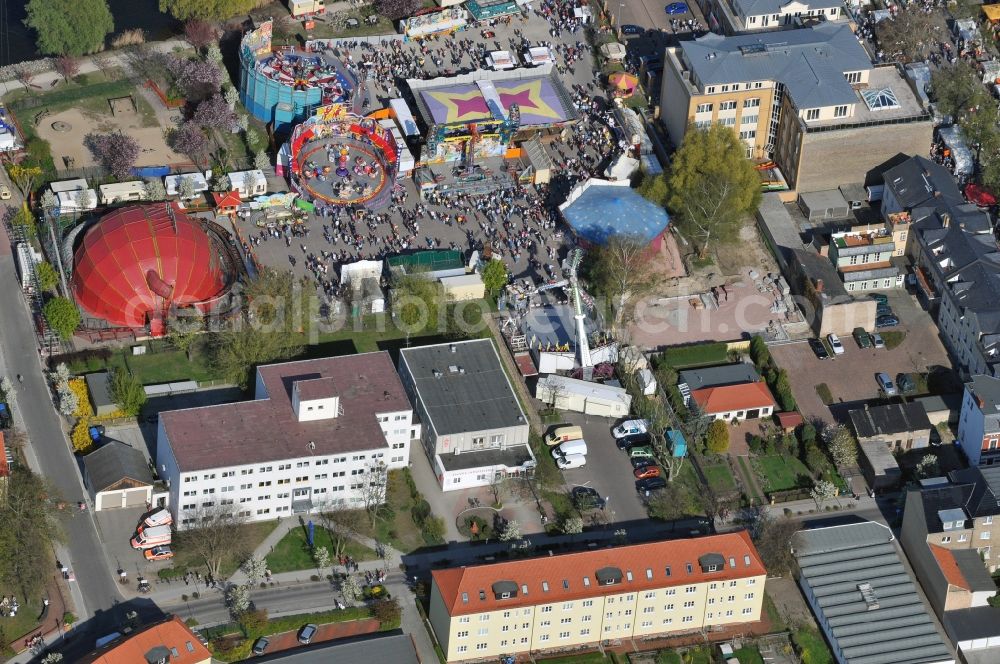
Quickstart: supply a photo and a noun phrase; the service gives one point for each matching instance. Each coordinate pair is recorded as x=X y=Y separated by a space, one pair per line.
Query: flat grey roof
x=890 y=625
x=512 y=457
x=889 y=420
x=99 y=389
x=810 y=62
x=726 y=374
x=395 y=649
x=463 y=387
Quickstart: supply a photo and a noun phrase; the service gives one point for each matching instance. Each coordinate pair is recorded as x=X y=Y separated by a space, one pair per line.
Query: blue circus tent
x=598 y=209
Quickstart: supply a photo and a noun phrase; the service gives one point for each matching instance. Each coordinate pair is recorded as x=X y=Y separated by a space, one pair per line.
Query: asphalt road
x=48 y=452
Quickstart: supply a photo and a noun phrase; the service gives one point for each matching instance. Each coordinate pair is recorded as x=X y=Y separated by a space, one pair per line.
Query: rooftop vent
x=453 y=369
x=868 y=594
x=452 y=348
x=437 y=374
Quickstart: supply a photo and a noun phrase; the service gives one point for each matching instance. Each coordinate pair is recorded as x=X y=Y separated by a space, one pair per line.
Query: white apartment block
x=308 y=440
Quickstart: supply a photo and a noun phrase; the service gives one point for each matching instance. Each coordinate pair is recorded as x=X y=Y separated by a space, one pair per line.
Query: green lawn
x=668 y=657
x=748 y=655
x=825 y=395
x=719 y=477
x=812 y=647
x=186 y=559
x=291 y=553
x=777 y=623
x=780 y=473
x=681 y=357
x=398 y=528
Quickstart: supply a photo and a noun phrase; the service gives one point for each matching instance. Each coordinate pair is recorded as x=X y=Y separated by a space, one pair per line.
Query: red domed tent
x=139 y=260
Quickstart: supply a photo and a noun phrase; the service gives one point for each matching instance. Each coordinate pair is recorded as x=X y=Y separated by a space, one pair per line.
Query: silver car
x=885 y=384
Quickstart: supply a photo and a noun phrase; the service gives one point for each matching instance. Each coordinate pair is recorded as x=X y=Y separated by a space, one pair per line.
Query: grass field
x=292 y=553
x=398 y=530
x=697 y=355
x=812 y=647
x=780 y=473
x=719 y=477
x=186 y=559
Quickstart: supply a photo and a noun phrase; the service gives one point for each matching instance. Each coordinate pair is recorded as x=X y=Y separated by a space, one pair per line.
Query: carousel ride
x=339 y=158
x=303 y=72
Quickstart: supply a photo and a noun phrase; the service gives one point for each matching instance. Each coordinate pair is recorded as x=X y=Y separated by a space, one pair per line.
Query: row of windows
x=985 y=535
x=287 y=466
x=729 y=105
x=755 y=85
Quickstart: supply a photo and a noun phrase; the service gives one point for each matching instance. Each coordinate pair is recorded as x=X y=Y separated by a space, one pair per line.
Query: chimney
x=937 y=194
x=945 y=219
x=819 y=285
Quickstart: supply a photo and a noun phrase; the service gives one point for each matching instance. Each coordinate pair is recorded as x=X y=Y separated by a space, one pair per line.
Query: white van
x=562 y=433
x=570 y=447
x=160 y=517
x=148 y=537
x=571 y=461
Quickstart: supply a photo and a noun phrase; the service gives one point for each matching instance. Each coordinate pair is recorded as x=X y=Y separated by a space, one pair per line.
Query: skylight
x=880 y=99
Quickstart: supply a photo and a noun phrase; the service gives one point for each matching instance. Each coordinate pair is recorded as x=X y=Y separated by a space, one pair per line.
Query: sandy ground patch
x=69 y=143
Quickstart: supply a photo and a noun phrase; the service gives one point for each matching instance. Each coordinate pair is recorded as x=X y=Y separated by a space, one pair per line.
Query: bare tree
x=220 y=537
x=341 y=524
x=499 y=486
x=909 y=34
x=373 y=488
x=622 y=269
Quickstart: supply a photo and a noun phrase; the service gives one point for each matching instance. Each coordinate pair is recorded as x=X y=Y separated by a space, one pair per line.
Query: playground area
x=65 y=131
x=93 y=103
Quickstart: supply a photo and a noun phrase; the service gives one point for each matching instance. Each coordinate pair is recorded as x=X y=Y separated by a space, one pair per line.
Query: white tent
x=613 y=51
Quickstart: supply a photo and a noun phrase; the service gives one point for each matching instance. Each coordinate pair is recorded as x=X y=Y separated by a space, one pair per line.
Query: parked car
x=4 y=192
x=862 y=338
x=879 y=297
x=625 y=442
x=630 y=29
x=585 y=497
x=640 y=451
x=646 y=472
x=562 y=433
x=158 y=553
x=885 y=384
x=838 y=348
x=307 y=633
x=905 y=383
x=630 y=427
x=260 y=645
x=642 y=462
x=571 y=461
x=648 y=485
x=886 y=321
x=877 y=340
x=883 y=310
x=819 y=349
x=675 y=8
x=569 y=447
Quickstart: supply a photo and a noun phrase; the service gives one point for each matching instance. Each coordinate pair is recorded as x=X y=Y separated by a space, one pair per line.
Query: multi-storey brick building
x=580 y=600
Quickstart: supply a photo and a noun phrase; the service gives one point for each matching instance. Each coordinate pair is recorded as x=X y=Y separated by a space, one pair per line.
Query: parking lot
x=117 y=527
x=608 y=469
x=851 y=376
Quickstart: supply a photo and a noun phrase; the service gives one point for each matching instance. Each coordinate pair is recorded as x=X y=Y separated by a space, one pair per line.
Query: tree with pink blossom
x=215 y=112
x=189 y=139
x=116 y=152
x=195 y=79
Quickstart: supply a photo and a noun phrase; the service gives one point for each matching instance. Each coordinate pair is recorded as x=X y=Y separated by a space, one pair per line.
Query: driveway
x=851 y=376
x=608 y=469
x=117 y=527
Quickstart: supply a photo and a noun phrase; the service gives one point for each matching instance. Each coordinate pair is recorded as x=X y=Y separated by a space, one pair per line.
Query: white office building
x=313 y=433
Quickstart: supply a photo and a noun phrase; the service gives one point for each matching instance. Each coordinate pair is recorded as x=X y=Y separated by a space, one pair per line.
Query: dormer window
x=504 y=589
x=608 y=576
x=712 y=562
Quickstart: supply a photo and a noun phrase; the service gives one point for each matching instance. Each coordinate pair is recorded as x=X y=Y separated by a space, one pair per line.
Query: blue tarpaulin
x=151 y=171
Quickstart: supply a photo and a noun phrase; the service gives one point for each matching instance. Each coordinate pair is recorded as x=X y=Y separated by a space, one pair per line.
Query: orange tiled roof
x=949 y=567
x=728 y=398
x=470 y=589
x=171 y=634
x=229 y=199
